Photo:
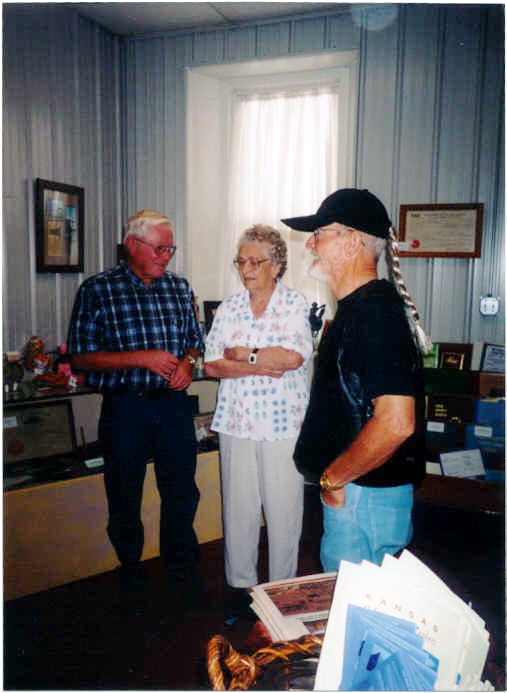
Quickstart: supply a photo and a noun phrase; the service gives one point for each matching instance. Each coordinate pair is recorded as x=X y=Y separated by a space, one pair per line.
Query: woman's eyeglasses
x=159 y=250
x=240 y=262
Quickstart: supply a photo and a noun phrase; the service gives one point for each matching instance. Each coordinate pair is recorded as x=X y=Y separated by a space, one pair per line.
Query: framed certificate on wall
x=441 y=230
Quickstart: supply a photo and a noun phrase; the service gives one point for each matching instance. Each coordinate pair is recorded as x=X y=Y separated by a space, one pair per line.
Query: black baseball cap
x=359 y=209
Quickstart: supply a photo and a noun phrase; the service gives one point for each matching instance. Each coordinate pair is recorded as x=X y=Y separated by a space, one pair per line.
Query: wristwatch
x=252 y=357
x=326 y=485
x=191 y=359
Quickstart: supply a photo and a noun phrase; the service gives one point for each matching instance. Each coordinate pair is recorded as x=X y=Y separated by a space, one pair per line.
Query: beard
x=316 y=271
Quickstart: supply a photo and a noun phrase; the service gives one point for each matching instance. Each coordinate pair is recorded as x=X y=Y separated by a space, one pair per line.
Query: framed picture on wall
x=59 y=227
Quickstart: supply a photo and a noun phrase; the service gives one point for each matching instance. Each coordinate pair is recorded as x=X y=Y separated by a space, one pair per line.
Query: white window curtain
x=284 y=149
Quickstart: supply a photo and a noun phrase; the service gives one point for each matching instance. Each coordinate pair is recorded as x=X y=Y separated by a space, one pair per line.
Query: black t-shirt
x=369 y=348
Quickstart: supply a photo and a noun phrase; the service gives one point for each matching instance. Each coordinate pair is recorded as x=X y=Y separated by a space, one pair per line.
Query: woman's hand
x=237 y=353
x=275 y=358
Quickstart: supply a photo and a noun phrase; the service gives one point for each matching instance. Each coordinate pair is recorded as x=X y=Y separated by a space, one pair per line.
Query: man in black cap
x=358 y=439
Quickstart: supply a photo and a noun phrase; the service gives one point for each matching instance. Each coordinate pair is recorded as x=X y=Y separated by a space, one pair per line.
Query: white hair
x=141 y=222
x=422 y=340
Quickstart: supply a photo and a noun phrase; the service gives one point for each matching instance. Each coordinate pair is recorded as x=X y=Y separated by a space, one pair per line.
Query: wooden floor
x=92 y=635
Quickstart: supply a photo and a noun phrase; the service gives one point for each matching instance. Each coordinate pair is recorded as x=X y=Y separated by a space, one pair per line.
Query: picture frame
x=38 y=431
x=455 y=355
x=441 y=230
x=210 y=308
x=452 y=360
x=59 y=227
x=493 y=358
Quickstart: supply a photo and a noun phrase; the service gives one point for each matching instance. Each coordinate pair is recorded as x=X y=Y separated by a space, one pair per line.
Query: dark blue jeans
x=132 y=430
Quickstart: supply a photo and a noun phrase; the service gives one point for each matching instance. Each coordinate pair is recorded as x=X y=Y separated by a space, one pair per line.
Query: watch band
x=252 y=357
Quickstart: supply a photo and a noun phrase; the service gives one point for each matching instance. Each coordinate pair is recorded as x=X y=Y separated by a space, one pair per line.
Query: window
x=266 y=140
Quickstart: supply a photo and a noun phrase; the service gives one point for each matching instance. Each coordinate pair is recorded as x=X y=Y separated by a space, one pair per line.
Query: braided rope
x=423 y=340
x=243 y=670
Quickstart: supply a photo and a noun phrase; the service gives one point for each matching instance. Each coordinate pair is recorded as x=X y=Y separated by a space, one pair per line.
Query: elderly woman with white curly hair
x=259 y=346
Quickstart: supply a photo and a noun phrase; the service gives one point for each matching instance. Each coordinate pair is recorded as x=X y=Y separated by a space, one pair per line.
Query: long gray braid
x=422 y=340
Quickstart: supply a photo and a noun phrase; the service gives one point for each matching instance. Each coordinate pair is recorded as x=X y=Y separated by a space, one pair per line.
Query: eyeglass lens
x=159 y=250
x=241 y=262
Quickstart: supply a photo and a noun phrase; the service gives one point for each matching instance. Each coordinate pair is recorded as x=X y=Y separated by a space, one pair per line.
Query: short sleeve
x=384 y=349
x=297 y=335
x=85 y=328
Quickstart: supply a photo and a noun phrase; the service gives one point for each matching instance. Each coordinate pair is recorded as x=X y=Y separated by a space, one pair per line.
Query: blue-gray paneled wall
x=61 y=122
x=87 y=108
x=430 y=127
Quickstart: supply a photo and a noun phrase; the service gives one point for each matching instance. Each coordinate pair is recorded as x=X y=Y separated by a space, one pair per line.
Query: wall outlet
x=489 y=305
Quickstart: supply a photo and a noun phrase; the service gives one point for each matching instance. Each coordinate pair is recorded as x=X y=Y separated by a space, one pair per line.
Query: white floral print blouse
x=260 y=407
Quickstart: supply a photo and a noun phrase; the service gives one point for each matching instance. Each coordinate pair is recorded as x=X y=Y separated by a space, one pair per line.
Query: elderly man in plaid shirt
x=135 y=333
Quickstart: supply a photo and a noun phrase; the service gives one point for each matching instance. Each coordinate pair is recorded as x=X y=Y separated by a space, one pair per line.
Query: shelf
x=464 y=494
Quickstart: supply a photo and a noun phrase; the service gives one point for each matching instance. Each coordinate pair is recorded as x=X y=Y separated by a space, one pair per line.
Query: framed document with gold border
x=441 y=230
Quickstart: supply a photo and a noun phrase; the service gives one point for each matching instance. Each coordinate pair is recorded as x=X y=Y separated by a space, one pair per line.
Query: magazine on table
x=294 y=607
x=398 y=626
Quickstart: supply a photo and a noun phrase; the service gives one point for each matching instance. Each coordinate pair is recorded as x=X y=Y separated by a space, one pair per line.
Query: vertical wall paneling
x=240 y=43
x=422 y=120
x=99 y=131
x=342 y=32
x=182 y=50
x=109 y=114
x=273 y=39
x=309 y=35
x=462 y=64
x=30 y=216
x=208 y=47
x=418 y=95
x=488 y=274
x=58 y=72
x=118 y=188
x=379 y=96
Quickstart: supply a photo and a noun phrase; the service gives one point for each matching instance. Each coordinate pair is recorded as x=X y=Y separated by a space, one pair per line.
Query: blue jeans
x=373 y=522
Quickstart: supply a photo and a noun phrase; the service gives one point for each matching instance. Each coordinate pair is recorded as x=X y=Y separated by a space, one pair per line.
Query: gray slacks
x=255 y=475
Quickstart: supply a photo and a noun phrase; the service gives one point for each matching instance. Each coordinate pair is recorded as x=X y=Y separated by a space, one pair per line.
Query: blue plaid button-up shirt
x=114 y=311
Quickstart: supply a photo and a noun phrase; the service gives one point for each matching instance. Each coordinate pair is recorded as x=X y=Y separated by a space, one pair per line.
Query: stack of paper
x=294 y=607
x=454 y=641
x=384 y=653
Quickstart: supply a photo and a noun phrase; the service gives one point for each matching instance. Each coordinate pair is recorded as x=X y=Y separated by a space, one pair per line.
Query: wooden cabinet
x=55 y=533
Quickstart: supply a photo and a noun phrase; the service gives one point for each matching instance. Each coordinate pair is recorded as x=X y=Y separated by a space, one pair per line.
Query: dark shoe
x=237 y=607
x=133 y=576
x=189 y=588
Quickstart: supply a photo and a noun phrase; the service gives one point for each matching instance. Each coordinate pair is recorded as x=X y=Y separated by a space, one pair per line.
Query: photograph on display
x=59 y=215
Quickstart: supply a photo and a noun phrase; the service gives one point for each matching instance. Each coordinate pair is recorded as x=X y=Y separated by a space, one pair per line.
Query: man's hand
x=334 y=499
x=161 y=362
x=182 y=376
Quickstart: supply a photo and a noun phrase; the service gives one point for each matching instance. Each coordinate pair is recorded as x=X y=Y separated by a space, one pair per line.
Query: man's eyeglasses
x=316 y=233
x=159 y=250
x=240 y=262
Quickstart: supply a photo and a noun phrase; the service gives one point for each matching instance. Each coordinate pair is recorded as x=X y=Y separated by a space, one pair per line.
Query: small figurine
x=35 y=358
